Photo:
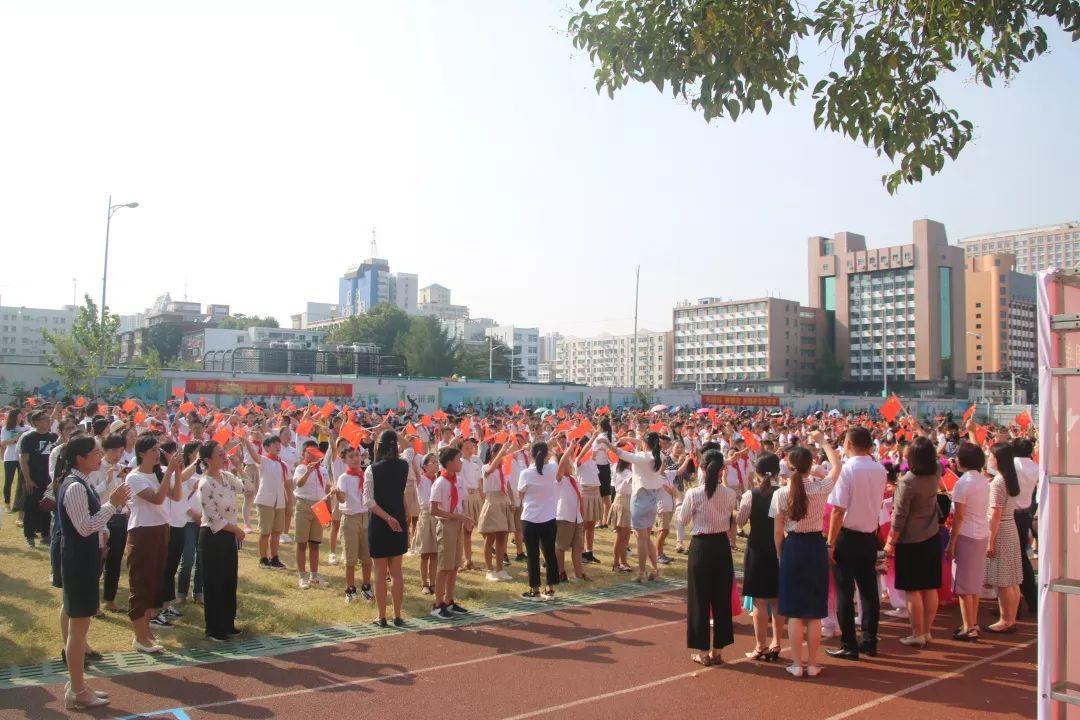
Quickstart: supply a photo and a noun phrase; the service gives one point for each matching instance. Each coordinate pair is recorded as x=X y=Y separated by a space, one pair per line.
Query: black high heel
x=772 y=654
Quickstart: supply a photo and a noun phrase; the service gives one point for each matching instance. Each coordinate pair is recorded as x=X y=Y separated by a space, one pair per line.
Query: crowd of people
x=838 y=512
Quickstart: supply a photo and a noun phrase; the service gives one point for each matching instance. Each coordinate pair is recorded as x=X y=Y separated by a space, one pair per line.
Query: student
x=592 y=504
x=619 y=515
x=190 y=555
x=388 y=537
x=14 y=427
x=220 y=536
x=335 y=466
x=249 y=474
x=412 y=500
x=83 y=519
x=176 y=507
x=497 y=514
x=148 y=539
x=354 y=524
x=603 y=469
x=570 y=524
x=798 y=510
x=425 y=544
x=110 y=475
x=519 y=461
x=311 y=488
x=537 y=486
x=970 y=530
x=448 y=508
x=34 y=449
x=275 y=488
x=856 y=501
x=471 y=473
x=710 y=572
x=665 y=503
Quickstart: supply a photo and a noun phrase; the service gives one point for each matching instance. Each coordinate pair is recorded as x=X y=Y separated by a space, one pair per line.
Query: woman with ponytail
x=539 y=498
x=648 y=469
x=83 y=519
x=798 y=511
x=761 y=568
x=709 y=508
x=388 y=538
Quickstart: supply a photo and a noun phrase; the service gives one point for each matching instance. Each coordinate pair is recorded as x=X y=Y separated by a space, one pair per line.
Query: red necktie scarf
x=452 y=479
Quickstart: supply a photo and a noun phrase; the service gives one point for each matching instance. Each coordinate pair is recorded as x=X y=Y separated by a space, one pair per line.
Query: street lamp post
x=105 y=271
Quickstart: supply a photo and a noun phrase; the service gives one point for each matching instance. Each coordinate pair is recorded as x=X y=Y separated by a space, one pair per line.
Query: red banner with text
x=741 y=400
x=251 y=388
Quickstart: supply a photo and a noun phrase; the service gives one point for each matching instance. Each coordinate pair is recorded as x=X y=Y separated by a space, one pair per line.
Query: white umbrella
x=658 y=408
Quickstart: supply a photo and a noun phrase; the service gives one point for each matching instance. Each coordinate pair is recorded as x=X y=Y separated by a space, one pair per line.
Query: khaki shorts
x=569 y=536
x=271 y=520
x=354 y=528
x=308 y=527
x=663 y=520
x=425 y=542
x=448 y=535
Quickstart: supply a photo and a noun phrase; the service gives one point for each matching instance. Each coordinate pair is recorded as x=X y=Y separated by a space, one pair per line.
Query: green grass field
x=270 y=603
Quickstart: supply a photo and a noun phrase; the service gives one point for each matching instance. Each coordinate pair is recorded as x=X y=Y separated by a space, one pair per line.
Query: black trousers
x=114 y=555
x=709 y=574
x=172 y=563
x=10 y=468
x=1027 y=587
x=35 y=520
x=218 y=557
x=540 y=537
x=856 y=556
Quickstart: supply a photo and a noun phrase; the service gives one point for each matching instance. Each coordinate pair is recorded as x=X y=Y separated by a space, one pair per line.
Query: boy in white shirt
x=312 y=487
x=448 y=506
x=275 y=489
x=354 y=524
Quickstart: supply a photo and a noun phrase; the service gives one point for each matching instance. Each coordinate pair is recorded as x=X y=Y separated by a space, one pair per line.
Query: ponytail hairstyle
x=621 y=465
x=652 y=443
x=714 y=463
x=492 y=452
x=387 y=447
x=605 y=428
x=540 y=455
x=144 y=444
x=798 y=504
x=1004 y=455
x=767 y=469
x=206 y=451
x=75 y=447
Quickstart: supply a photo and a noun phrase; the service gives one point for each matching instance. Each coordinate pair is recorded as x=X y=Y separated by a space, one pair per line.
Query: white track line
x=409 y=673
x=839 y=716
x=930 y=681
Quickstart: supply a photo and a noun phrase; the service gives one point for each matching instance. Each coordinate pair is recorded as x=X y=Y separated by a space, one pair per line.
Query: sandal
x=1000 y=631
x=702 y=659
x=772 y=654
x=758 y=655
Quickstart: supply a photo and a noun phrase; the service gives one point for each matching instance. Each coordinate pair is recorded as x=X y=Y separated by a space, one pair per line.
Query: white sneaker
x=332 y=559
x=914 y=641
x=285 y=538
x=304 y=582
x=492 y=576
x=795 y=670
x=318 y=581
x=505 y=576
x=148 y=649
x=813 y=670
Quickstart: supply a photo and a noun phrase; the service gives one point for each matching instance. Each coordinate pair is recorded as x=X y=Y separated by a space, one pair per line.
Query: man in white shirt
x=1027 y=472
x=856 y=499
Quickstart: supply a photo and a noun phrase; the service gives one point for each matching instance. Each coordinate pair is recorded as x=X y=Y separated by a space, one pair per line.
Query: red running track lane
x=622 y=659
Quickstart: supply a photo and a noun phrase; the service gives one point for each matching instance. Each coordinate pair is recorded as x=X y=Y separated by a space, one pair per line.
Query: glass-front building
x=881 y=304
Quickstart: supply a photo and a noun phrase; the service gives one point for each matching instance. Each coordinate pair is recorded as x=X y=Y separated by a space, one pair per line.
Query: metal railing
x=284 y=361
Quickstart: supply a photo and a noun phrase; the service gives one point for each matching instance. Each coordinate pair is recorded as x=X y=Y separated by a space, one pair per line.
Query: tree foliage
x=240 y=321
x=165 y=340
x=383 y=325
x=428 y=349
x=729 y=58
x=80 y=357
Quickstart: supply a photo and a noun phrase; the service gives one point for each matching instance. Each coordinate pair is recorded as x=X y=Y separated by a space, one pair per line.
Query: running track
x=623 y=659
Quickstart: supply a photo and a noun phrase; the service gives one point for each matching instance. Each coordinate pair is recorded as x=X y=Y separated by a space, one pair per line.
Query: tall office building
x=363 y=287
x=402 y=291
x=1000 y=317
x=895 y=312
x=1035 y=249
x=524 y=344
x=435 y=301
x=609 y=360
x=748 y=343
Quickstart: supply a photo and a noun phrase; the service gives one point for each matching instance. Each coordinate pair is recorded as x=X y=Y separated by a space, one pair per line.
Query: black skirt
x=918 y=565
x=605 y=480
x=804 y=577
x=761 y=572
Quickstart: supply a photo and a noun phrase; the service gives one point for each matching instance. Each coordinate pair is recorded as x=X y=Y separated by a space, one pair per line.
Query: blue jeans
x=643 y=509
x=187 y=560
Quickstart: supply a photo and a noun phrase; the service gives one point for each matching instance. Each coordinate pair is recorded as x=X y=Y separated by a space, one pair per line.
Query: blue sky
x=264 y=144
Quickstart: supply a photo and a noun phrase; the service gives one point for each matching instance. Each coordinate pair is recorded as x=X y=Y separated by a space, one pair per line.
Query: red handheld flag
x=129 y=405
x=322 y=513
x=969 y=413
x=178 y=393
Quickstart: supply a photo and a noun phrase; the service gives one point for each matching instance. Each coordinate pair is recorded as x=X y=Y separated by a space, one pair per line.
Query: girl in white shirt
x=620 y=515
x=335 y=466
x=497 y=514
x=538 y=485
x=592 y=505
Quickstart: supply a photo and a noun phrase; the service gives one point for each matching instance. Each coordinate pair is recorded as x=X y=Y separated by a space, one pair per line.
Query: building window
x=945 y=282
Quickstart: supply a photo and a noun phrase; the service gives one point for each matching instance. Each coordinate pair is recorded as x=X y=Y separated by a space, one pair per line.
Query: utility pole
x=633 y=362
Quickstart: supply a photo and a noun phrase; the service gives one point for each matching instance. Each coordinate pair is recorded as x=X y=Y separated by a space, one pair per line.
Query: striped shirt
x=77 y=508
x=817 y=494
x=708 y=515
